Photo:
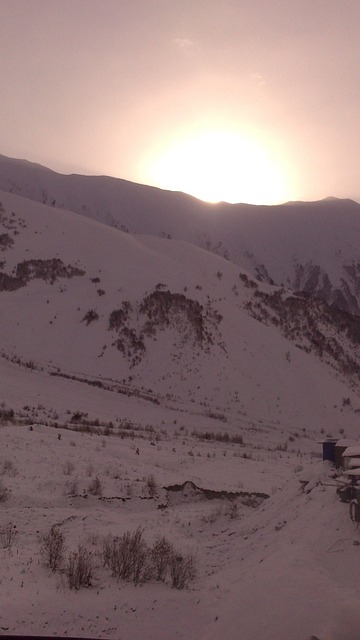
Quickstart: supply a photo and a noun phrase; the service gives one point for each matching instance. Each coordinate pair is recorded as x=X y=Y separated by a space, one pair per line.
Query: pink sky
x=187 y=93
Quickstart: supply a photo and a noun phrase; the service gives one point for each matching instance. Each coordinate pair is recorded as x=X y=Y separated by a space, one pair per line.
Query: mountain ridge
x=307 y=246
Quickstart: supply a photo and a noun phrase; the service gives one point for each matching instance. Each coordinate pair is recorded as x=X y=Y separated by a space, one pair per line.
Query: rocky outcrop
x=313 y=280
x=327 y=331
x=48 y=270
x=135 y=324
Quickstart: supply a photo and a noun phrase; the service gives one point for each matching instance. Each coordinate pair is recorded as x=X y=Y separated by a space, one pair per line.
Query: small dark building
x=328 y=447
x=333 y=449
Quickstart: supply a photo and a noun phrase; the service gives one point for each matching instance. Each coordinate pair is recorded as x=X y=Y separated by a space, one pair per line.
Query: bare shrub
x=141 y=570
x=4 y=492
x=89 y=470
x=72 y=487
x=162 y=553
x=79 y=568
x=68 y=467
x=218 y=437
x=182 y=570
x=151 y=485
x=108 y=551
x=128 y=556
x=211 y=517
x=232 y=511
x=7 y=535
x=53 y=548
x=93 y=539
x=95 y=487
x=8 y=468
x=6 y=415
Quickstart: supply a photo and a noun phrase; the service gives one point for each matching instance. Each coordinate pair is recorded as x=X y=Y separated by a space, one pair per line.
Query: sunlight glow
x=217 y=165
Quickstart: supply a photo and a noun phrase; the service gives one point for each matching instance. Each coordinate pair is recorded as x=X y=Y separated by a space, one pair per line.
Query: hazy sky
x=241 y=100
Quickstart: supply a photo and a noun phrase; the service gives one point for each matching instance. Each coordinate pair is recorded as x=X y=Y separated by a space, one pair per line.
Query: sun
x=217 y=165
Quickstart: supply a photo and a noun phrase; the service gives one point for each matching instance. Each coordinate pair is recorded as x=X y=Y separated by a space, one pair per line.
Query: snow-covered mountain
x=168 y=321
x=184 y=364
x=311 y=247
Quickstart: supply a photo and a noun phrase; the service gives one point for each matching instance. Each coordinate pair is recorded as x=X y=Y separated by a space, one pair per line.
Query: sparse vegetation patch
x=6 y=241
x=49 y=270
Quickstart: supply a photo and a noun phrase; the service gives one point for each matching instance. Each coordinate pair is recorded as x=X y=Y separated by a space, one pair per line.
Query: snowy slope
x=157 y=360
x=285 y=567
x=168 y=320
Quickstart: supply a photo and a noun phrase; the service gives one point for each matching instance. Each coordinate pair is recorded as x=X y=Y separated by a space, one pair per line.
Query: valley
x=175 y=381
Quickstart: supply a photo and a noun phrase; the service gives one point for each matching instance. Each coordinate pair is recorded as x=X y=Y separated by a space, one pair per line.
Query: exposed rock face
x=313 y=280
x=48 y=270
x=163 y=308
x=6 y=241
x=159 y=311
x=189 y=492
x=313 y=325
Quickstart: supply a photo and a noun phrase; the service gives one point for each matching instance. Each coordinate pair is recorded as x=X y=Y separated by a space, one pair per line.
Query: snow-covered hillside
x=147 y=381
x=311 y=246
x=271 y=560
x=167 y=320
